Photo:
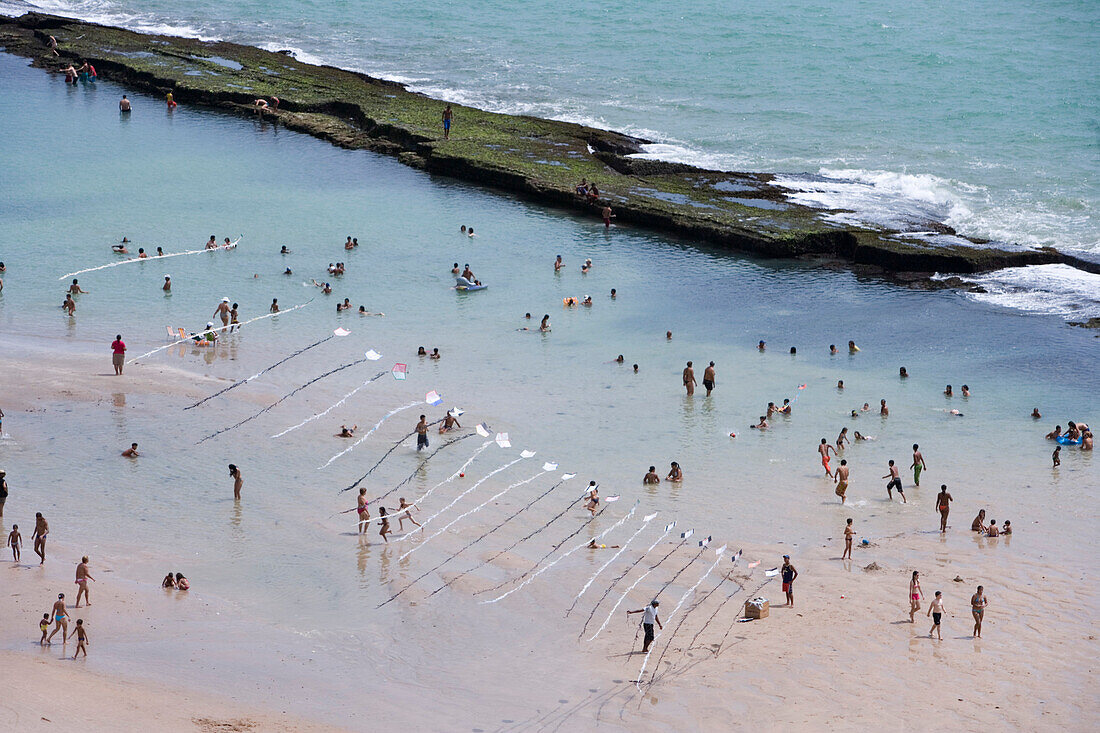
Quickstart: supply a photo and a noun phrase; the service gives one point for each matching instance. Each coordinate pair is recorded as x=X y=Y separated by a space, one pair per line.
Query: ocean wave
x=95 y=11
x=1058 y=290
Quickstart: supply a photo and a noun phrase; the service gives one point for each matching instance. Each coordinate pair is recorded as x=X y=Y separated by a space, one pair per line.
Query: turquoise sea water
x=982 y=115
x=75 y=177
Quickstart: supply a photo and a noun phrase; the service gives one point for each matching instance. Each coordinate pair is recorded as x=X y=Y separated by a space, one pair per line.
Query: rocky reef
x=541 y=160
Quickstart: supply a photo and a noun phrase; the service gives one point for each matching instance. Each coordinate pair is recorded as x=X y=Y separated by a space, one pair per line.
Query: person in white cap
x=223 y=311
x=209 y=335
x=649 y=617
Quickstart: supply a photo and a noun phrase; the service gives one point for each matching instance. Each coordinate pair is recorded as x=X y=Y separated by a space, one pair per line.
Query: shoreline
x=540 y=160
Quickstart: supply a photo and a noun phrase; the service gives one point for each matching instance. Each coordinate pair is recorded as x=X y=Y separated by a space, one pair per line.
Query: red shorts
x=786 y=587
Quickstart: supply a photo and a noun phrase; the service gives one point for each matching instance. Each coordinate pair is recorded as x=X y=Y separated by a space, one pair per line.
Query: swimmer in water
x=675 y=474
x=841 y=439
x=450 y=422
x=762 y=425
x=852 y=348
x=1035 y=413
x=545 y=325
x=593 y=546
x=131 y=452
x=346 y=432
x=651 y=477
x=167 y=287
x=75 y=288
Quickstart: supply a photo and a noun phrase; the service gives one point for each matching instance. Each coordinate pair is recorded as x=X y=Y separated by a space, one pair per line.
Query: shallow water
x=76 y=177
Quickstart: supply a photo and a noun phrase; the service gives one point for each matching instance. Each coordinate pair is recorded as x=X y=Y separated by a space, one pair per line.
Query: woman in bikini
x=915 y=595
x=978 y=603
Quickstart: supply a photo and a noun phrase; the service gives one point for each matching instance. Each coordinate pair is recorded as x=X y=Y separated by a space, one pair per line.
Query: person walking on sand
x=978 y=603
x=238 y=481
x=649 y=617
x=943 y=506
x=689 y=379
x=60 y=619
x=41 y=529
x=848 y=533
x=81 y=638
x=422 y=434
x=788 y=574
x=448 y=115
x=118 y=354
x=936 y=611
x=918 y=464
x=363 y=509
x=894 y=483
x=82 y=578
x=915 y=596
x=3 y=484
x=708 y=378
x=824 y=449
x=841 y=480
x=15 y=542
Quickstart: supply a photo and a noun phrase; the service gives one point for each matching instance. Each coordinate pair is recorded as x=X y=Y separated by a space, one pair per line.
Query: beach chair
x=171 y=333
x=182 y=333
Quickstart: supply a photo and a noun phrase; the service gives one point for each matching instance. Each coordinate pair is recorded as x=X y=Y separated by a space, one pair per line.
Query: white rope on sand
x=454 y=501
x=645 y=523
x=377 y=425
x=219 y=328
x=717 y=559
x=153 y=257
x=565 y=555
x=477 y=508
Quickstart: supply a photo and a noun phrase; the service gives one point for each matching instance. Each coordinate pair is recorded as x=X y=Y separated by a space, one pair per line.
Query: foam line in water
x=370 y=432
x=152 y=258
x=334 y=405
x=564 y=555
x=219 y=328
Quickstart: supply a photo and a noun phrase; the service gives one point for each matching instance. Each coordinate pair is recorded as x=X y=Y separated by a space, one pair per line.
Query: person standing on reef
x=448 y=115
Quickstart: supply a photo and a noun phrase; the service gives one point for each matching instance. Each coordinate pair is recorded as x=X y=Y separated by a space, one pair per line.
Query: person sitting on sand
x=169 y=581
x=992 y=530
x=181 y=582
x=978 y=525
x=762 y=425
x=1007 y=529
x=346 y=432
x=651 y=477
x=131 y=452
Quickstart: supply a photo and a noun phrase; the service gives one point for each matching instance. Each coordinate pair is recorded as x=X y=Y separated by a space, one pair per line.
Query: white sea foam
x=1048 y=289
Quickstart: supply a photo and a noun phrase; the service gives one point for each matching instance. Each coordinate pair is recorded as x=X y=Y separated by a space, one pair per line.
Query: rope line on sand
x=285 y=359
x=154 y=257
x=215 y=330
x=321 y=414
x=640 y=578
x=428 y=572
x=645 y=523
x=623 y=574
x=717 y=559
x=564 y=555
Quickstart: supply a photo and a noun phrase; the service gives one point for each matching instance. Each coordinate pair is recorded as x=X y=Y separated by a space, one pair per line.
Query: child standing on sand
x=44 y=626
x=81 y=638
x=15 y=540
x=936 y=611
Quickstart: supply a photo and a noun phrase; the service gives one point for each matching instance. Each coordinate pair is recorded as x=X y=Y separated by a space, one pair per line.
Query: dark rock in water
x=286 y=52
x=1090 y=323
x=976 y=289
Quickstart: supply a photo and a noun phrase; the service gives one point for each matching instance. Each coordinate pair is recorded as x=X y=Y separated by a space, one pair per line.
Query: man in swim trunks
x=824 y=449
x=842 y=480
x=422 y=434
x=936 y=611
x=118 y=354
x=978 y=603
x=450 y=422
x=448 y=115
x=894 y=483
x=788 y=574
x=708 y=378
x=213 y=243
x=41 y=529
x=689 y=379
x=605 y=212
x=918 y=464
x=943 y=505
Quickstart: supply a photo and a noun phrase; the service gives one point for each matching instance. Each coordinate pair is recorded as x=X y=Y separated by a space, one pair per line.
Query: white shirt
x=649 y=615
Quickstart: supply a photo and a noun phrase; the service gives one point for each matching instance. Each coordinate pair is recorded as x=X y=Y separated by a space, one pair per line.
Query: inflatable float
x=1065 y=440
x=465 y=285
